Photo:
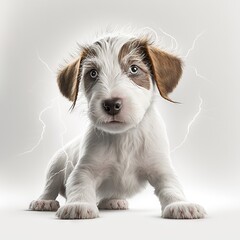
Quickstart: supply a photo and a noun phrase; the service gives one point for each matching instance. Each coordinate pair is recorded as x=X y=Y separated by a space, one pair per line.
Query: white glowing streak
x=60 y=117
x=62 y=134
x=43 y=129
x=63 y=148
x=193 y=44
x=44 y=125
x=44 y=63
x=190 y=125
x=201 y=101
x=196 y=72
x=173 y=39
x=62 y=170
x=152 y=30
x=42 y=112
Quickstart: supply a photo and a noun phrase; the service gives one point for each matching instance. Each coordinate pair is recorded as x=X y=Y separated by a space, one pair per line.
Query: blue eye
x=133 y=69
x=93 y=73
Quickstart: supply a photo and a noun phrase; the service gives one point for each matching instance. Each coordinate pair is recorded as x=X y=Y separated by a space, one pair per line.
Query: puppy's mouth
x=115 y=119
x=114 y=122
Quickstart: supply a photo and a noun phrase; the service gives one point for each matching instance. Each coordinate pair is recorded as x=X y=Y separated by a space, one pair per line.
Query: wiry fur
x=119 y=154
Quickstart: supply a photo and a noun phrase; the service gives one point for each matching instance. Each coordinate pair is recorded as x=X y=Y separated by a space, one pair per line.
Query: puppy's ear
x=166 y=69
x=68 y=80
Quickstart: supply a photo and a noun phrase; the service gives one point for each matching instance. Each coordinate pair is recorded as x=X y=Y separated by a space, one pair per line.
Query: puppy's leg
x=47 y=202
x=54 y=182
x=81 y=195
x=169 y=191
x=113 y=204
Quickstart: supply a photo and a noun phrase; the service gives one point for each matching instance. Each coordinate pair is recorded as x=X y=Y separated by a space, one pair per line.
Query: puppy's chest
x=124 y=166
x=125 y=175
x=124 y=161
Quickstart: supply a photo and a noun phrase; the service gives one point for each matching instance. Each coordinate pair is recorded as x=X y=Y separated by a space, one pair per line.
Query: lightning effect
x=190 y=125
x=151 y=30
x=193 y=44
x=43 y=128
x=62 y=143
x=62 y=137
x=44 y=63
x=173 y=39
x=193 y=120
x=44 y=125
x=201 y=100
x=59 y=109
x=196 y=73
x=42 y=113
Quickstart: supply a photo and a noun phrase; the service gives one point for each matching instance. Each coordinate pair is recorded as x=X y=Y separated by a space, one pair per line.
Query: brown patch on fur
x=67 y=80
x=142 y=79
x=133 y=53
x=90 y=52
x=69 y=77
x=88 y=81
x=135 y=44
x=167 y=70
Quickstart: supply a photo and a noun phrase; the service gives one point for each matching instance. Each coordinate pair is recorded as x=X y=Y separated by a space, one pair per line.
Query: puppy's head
x=117 y=76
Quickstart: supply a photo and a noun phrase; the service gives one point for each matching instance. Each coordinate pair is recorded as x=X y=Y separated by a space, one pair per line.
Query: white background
x=207 y=163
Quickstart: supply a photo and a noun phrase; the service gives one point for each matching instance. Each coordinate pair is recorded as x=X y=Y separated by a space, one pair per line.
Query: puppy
x=126 y=144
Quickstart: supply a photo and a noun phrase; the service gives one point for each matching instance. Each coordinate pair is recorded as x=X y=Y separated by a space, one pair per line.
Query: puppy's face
x=118 y=76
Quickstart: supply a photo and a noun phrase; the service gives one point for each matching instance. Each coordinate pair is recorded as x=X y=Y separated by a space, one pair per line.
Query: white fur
x=44 y=205
x=114 y=161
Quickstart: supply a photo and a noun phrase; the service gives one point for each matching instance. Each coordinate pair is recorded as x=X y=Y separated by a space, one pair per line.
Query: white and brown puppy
x=126 y=144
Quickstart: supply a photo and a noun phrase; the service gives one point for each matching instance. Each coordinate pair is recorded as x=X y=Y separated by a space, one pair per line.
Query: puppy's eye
x=93 y=73
x=133 y=69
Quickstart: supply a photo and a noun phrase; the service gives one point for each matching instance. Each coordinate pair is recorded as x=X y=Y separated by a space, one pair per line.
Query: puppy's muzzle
x=112 y=106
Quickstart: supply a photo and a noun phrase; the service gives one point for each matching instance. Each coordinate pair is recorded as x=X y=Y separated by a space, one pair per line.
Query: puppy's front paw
x=184 y=210
x=44 y=205
x=78 y=211
x=113 y=204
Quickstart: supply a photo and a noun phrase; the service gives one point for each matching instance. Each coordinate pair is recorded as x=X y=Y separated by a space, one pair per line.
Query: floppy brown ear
x=68 y=80
x=167 y=70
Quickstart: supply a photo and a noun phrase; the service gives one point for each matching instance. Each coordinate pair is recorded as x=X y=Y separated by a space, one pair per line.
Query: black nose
x=112 y=106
